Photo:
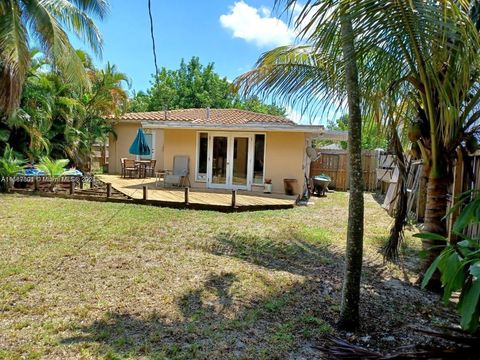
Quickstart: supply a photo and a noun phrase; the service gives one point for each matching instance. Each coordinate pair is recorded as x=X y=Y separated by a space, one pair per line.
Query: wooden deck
x=203 y=198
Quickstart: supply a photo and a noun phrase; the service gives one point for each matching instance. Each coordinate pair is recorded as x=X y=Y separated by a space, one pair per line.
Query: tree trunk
x=436 y=207
x=349 y=311
x=435 y=212
x=422 y=192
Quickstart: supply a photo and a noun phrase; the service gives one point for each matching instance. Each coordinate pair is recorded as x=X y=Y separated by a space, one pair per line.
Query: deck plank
x=134 y=188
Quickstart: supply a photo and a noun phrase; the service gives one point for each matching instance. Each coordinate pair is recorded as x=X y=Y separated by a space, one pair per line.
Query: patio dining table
x=142 y=167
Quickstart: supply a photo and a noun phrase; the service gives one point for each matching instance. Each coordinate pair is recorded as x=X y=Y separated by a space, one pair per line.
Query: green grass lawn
x=96 y=280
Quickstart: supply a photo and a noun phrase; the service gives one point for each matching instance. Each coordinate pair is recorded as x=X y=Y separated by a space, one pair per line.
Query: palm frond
x=77 y=20
x=14 y=55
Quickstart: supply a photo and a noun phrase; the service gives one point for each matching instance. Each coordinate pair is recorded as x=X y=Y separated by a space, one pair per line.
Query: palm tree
x=82 y=116
x=44 y=23
x=63 y=119
x=421 y=53
x=349 y=310
x=10 y=165
x=296 y=80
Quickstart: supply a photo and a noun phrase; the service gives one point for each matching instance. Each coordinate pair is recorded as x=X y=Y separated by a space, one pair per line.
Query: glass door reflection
x=240 y=161
x=219 y=160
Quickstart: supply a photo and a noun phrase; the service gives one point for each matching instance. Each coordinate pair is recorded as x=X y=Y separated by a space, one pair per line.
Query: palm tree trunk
x=435 y=212
x=436 y=205
x=349 y=311
x=422 y=192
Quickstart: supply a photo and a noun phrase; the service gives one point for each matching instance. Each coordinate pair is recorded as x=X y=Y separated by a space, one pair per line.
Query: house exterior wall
x=284 y=156
x=284 y=159
x=182 y=142
x=119 y=146
x=284 y=153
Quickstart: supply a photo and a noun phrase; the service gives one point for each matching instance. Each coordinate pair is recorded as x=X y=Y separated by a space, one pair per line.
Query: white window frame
x=203 y=179
x=152 y=132
x=264 y=156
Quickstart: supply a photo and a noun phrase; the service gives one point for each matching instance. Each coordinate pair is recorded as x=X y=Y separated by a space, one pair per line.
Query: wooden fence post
x=92 y=182
x=109 y=190
x=234 y=198
x=35 y=183
x=72 y=186
x=187 y=192
x=145 y=192
x=81 y=182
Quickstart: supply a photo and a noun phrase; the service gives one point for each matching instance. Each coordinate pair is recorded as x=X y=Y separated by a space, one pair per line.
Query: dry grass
x=92 y=280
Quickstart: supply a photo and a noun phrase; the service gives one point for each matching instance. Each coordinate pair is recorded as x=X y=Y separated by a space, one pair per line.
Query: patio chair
x=150 y=168
x=129 y=167
x=122 y=166
x=179 y=175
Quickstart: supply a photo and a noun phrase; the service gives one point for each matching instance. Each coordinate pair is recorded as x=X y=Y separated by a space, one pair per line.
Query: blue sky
x=230 y=33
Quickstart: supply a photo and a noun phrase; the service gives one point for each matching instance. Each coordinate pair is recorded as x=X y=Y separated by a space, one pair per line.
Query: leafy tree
x=46 y=22
x=139 y=102
x=254 y=104
x=194 y=85
x=418 y=67
x=63 y=119
x=373 y=136
x=302 y=75
x=191 y=86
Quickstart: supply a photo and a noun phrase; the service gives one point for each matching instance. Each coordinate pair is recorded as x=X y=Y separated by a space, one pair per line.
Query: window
x=149 y=139
x=259 y=158
x=202 y=156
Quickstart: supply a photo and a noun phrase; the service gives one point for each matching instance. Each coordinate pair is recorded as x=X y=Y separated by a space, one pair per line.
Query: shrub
x=10 y=165
x=53 y=168
x=459 y=265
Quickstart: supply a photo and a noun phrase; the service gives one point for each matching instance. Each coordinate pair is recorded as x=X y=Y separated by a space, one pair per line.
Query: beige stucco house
x=227 y=148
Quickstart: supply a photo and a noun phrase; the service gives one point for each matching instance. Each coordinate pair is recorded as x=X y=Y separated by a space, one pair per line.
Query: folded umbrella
x=140 y=145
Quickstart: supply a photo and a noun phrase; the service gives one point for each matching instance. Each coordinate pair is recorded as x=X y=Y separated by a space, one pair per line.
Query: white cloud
x=257 y=26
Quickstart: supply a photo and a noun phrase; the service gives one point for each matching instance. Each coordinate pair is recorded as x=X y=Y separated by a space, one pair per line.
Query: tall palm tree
x=349 y=310
x=421 y=52
x=290 y=83
x=45 y=23
x=61 y=118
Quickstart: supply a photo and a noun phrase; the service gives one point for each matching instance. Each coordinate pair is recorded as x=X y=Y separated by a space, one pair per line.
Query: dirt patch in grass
x=90 y=280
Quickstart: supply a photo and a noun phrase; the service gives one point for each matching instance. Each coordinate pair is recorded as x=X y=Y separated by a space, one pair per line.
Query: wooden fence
x=467 y=177
x=334 y=163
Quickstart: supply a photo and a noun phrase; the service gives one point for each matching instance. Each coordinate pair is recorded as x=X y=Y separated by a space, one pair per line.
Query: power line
x=153 y=39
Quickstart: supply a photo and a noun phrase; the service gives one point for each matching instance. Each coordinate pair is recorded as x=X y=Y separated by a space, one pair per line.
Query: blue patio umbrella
x=140 y=145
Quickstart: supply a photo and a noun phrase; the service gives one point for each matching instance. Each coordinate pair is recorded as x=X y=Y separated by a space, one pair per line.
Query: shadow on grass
x=298 y=252
x=214 y=324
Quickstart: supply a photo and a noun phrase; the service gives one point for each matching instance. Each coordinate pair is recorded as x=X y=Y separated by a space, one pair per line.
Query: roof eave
x=234 y=127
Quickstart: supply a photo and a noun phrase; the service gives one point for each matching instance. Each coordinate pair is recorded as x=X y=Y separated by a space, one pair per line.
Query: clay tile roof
x=205 y=116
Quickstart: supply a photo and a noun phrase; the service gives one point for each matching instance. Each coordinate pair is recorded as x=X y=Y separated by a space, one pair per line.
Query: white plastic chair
x=179 y=175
